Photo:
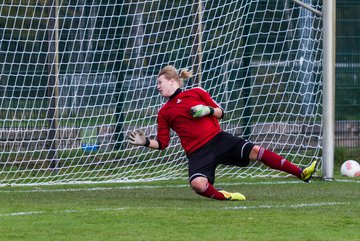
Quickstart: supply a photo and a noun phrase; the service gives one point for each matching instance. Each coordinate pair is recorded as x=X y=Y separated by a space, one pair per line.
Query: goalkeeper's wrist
x=211 y=110
x=147 y=142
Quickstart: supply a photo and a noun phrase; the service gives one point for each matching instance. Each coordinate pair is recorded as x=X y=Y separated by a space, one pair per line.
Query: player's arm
x=163 y=136
x=218 y=113
x=138 y=138
x=198 y=111
x=210 y=107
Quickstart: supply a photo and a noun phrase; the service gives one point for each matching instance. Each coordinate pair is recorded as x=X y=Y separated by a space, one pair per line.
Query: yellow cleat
x=233 y=196
x=307 y=172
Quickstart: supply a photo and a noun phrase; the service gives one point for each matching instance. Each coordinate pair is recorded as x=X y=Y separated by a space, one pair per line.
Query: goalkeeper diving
x=194 y=116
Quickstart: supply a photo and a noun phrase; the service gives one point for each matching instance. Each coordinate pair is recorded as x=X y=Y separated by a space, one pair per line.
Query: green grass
x=276 y=209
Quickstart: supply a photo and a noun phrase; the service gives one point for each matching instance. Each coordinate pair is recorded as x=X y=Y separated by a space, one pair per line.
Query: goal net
x=78 y=76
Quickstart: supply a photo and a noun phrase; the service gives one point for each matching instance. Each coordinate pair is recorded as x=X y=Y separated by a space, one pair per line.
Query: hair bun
x=185 y=74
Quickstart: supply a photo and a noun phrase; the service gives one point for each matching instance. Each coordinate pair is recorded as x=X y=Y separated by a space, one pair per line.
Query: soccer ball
x=350 y=168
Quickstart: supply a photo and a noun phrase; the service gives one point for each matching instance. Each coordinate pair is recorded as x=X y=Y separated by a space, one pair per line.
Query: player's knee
x=199 y=184
x=254 y=153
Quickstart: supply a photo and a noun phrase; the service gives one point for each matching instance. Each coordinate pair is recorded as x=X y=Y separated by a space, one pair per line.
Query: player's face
x=165 y=87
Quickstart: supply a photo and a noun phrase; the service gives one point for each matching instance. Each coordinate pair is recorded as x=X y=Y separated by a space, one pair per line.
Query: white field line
x=299 y=205
x=39 y=188
x=130 y=187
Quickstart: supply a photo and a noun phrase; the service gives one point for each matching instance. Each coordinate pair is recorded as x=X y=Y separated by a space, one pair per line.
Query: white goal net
x=77 y=76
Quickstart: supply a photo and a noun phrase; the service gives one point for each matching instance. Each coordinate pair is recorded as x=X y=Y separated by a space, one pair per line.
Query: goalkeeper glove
x=198 y=111
x=138 y=138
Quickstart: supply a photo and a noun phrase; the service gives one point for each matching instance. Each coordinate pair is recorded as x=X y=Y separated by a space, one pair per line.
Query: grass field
x=276 y=209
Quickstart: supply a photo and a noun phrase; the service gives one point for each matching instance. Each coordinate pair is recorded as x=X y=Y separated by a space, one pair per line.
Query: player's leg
x=203 y=187
x=274 y=160
x=278 y=162
x=202 y=176
x=202 y=165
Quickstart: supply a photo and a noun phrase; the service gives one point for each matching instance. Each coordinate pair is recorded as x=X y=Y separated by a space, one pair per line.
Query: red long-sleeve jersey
x=175 y=114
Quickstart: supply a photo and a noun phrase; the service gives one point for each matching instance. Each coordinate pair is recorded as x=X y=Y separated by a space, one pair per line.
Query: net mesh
x=77 y=76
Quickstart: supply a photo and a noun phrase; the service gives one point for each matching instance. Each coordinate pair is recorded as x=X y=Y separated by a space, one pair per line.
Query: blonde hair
x=170 y=72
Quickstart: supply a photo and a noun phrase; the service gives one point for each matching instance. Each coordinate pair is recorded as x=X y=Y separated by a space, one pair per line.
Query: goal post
x=329 y=89
x=78 y=76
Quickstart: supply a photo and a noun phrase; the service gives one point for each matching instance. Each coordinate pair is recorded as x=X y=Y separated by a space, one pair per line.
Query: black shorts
x=225 y=149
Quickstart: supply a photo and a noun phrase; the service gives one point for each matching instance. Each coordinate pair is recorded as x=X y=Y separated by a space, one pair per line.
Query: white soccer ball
x=350 y=168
